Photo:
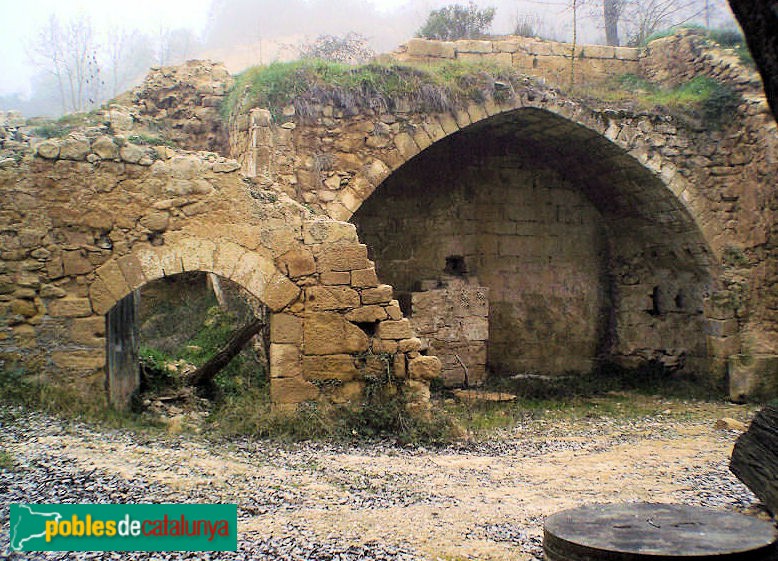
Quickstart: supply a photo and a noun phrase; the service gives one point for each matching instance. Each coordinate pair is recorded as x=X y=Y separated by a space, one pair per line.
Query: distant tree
x=69 y=53
x=457 y=22
x=612 y=11
x=175 y=45
x=645 y=17
x=527 y=25
x=351 y=48
x=129 y=55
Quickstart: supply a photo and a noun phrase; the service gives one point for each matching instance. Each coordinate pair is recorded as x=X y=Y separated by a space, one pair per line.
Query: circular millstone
x=642 y=531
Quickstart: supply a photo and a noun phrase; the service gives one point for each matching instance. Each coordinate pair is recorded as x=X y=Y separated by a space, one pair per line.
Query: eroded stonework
x=603 y=233
x=593 y=232
x=83 y=227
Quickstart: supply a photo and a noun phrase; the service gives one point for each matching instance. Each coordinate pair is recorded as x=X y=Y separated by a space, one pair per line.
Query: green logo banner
x=130 y=527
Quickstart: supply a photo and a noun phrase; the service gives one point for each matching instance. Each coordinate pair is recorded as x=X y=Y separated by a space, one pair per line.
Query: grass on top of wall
x=306 y=83
x=701 y=98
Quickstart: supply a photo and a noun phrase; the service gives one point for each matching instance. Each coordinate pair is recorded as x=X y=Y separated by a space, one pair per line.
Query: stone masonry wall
x=522 y=231
x=567 y=284
x=717 y=181
x=87 y=220
x=687 y=54
x=451 y=316
x=180 y=103
x=548 y=60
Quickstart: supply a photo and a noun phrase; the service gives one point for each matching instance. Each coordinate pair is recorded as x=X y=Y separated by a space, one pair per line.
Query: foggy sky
x=224 y=24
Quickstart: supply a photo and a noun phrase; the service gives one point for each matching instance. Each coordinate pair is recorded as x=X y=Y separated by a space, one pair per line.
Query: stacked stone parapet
x=549 y=60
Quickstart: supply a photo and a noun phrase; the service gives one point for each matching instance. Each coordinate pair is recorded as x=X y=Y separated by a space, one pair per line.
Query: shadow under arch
x=571 y=234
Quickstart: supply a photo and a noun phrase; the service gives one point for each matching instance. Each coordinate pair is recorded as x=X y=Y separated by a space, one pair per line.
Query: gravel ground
x=481 y=499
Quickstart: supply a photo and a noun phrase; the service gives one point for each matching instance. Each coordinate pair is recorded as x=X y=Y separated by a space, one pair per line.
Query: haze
x=243 y=32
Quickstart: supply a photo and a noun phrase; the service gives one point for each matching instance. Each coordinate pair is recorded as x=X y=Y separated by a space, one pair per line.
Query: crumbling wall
x=87 y=220
x=686 y=54
x=181 y=103
x=709 y=188
x=451 y=316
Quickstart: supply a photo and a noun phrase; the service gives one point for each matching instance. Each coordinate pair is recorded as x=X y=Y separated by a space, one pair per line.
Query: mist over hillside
x=242 y=33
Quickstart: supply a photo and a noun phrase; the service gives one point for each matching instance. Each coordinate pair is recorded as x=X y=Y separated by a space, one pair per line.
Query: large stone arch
x=637 y=136
x=670 y=171
x=643 y=299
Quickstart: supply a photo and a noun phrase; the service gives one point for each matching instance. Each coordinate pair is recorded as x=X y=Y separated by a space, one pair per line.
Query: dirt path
x=477 y=500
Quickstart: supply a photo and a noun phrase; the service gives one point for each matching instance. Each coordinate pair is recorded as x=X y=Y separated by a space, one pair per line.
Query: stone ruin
x=537 y=232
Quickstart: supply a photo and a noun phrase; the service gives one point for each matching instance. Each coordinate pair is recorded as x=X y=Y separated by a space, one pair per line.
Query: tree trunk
x=216 y=286
x=611 y=16
x=755 y=457
x=208 y=371
x=575 y=40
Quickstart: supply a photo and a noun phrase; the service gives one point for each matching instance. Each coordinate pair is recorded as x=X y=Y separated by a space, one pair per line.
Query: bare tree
x=528 y=25
x=646 y=17
x=575 y=5
x=175 y=45
x=129 y=55
x=69 y=53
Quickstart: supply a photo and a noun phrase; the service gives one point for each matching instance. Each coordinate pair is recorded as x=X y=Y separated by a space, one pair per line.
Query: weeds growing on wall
x=308 y=83
x=701 y=98
x=63 y=126
x=150 y=140
x=727 y=38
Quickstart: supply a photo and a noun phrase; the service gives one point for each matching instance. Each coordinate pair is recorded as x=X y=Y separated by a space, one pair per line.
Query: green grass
x=311 y=82
x=150 y=140
x=702 y=98
x=86 y=402
x=608 y=392
x=241 y=374
x=663 y=33
x=7 y=460
x=482 y=420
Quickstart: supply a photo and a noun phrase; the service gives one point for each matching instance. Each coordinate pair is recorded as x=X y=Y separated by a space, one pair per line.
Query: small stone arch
x=251 y=269
x=117 y=279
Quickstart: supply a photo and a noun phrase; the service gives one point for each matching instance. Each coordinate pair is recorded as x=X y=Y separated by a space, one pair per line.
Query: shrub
x=457 y=22
x=149 y=140
x=351 y=48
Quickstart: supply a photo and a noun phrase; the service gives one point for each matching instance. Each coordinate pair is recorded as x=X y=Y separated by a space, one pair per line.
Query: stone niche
x=451 y=316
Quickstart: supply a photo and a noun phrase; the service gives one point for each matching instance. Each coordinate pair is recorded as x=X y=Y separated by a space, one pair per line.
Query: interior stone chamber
x=526 y=244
